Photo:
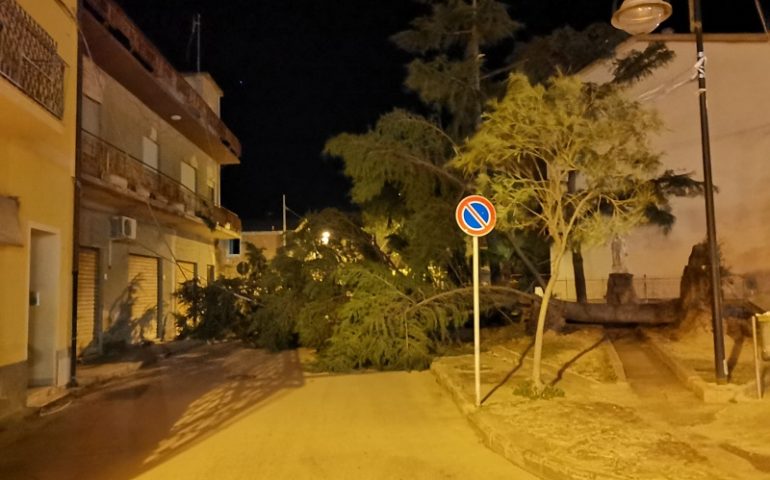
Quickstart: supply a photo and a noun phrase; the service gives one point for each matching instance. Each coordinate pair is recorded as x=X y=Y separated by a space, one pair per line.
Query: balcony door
x=189 y=176
x=150 y=153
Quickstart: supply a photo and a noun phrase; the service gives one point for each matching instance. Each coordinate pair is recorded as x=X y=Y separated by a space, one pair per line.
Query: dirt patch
x=583 y=352
x=696 y=350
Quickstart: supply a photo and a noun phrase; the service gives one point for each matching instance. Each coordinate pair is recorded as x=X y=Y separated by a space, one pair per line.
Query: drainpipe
x=76 y=203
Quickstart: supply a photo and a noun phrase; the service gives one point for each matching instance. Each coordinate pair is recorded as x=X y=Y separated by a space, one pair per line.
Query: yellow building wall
x=37 y=165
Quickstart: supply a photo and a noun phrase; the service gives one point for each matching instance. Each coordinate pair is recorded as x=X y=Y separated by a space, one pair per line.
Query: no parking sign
x=476 y=216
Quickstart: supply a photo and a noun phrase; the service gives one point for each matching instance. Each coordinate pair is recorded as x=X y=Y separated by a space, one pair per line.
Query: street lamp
x=644 y=16
x=641 y=16
x=325 y=236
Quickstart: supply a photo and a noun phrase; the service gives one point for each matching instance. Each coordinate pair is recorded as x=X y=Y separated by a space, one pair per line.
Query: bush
x=210 y=312
x=528 y=389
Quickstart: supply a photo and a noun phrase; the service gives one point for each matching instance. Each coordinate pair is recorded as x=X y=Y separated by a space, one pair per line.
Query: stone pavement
x=608 y=430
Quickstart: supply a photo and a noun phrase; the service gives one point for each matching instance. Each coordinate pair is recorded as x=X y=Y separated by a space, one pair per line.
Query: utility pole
x=284 y=220
x=711 y=231
x=197 y=30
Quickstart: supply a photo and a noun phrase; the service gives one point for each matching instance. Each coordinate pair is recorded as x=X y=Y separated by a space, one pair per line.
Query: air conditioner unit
x=123 y=228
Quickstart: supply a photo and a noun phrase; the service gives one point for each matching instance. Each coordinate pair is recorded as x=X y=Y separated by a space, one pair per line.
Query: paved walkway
x=222 y=412
x=651 y=428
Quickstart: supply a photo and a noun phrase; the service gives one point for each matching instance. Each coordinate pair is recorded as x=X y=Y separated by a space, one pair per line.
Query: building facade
x=38 y=78
x=152 y=148
x=739 y=113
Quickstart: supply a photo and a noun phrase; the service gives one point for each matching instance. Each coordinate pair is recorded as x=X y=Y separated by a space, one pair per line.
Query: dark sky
x=296 y=72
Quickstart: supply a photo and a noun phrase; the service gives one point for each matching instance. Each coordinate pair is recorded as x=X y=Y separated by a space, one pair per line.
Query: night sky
x=296 y=72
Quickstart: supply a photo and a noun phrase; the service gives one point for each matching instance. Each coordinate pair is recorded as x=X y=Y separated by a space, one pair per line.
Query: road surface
x=222 y=412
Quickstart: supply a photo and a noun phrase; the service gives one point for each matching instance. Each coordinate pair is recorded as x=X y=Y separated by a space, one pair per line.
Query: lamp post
x=644 y=16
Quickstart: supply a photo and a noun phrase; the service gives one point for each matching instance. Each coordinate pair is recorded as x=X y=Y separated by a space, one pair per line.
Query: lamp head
x=641 y=16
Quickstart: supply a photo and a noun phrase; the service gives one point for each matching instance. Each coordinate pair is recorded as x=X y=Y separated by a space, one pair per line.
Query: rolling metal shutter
x=185 y=271
x=88 y=284
x=143 y=275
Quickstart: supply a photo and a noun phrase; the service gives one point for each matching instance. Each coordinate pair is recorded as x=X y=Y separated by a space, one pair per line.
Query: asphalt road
x=221 y=412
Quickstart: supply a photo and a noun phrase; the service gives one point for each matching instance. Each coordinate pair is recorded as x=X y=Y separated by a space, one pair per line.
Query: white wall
x=739 y=108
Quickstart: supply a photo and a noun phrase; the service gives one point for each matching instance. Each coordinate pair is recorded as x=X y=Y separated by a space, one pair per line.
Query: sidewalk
x=605 y=430
x=106 y=368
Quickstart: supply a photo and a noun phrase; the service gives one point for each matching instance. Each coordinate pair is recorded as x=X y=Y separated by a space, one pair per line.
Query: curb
x=705 y=391
x=124 y=369
x=117 y=370
x=617 y=365
x=529 y=460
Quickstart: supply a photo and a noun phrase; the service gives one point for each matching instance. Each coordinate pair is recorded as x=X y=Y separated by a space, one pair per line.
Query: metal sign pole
x=476 y=216
x=476 y=320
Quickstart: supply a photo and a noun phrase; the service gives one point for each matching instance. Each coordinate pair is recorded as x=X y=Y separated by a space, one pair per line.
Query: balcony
x=111 y=167
x=28 y=58
x=122 y=50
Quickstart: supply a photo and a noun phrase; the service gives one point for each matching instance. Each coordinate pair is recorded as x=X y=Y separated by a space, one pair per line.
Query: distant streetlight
x=644 y=16
x=325 y=236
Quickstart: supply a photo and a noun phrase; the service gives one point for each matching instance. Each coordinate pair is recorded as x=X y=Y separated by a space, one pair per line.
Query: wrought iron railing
x=105 y=161
x=28 y=58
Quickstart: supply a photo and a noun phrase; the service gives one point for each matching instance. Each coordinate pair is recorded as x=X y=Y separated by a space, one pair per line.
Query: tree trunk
x=628 y=314
x=580 y=275
x=538 y=355
x=577 y=254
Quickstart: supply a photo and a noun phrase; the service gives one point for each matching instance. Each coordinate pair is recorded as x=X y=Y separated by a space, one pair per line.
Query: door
x=44 y=269
x=143 y=278
x=88 y=291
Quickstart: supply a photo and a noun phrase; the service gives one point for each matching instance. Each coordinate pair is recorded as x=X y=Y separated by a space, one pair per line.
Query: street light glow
x=325 y=237
x=641 y=16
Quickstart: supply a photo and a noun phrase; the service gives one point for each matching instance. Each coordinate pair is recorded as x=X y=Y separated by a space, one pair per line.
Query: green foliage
x=566 y=51
x=388 y=321
x=449 y=43
x=638 y=65
x=405 y=151
x=401 y=180
x=567 y=160
x=529 y=389
x=451 y=24
x=669 y=184
x=537 y=136
x=213 y=311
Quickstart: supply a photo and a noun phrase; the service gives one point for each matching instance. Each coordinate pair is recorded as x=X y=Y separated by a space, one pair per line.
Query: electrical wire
x=673 y=84
x=762 y=18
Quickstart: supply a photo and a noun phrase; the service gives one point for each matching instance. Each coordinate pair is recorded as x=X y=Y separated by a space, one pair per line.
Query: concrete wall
x=125 y=120
x=269 y=241
x=115 y=324
x=739 y=109
x=37 y=158
x=207 y=88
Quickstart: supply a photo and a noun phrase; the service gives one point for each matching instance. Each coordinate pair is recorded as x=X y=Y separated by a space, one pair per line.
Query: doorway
x=44 y=269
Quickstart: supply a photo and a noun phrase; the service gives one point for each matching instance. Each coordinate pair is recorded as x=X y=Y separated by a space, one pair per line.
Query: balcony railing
x=109 y=163
x=111 y=15
x=28 y=58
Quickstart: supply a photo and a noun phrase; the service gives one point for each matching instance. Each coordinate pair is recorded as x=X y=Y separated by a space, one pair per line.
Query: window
x=189 y=176
x=210 y=274
x=91 y=114
x=234 y=246
x=150 y=153
x=212 y=192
